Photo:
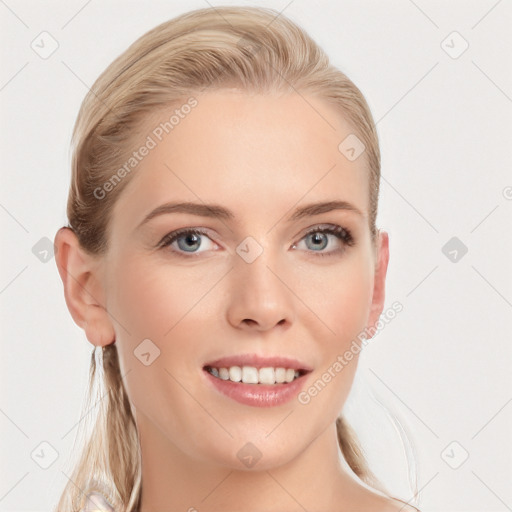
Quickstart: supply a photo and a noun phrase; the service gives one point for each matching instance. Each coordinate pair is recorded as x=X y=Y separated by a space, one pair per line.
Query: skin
x=260 y=156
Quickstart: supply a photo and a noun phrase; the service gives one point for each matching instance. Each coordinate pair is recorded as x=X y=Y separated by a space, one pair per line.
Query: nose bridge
x=259 y=296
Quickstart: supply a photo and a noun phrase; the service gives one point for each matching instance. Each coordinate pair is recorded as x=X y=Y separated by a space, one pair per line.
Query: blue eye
x=189 y=240
x=319 y=237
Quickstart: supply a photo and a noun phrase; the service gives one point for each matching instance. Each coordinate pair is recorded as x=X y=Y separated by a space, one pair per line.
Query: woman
x=222 y=250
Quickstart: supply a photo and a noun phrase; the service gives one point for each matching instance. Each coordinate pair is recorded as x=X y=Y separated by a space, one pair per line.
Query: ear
x=83 y=289
x=379 y=285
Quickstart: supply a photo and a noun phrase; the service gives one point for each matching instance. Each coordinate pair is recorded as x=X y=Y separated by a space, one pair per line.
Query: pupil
x=191 y=239
x=319 y=238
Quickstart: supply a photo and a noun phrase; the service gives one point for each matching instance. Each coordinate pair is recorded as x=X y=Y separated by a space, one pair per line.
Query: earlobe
x=98 y=331
x=83 y=291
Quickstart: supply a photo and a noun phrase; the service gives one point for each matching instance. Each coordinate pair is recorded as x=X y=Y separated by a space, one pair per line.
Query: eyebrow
x=220 y=212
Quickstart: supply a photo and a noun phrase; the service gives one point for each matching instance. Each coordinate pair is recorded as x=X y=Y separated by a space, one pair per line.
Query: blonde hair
x=249 y=48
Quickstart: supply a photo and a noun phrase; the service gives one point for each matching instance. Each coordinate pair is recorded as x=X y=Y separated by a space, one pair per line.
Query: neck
x=318 y=478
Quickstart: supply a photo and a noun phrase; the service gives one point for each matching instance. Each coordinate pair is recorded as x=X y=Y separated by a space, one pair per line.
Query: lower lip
x=258 y=395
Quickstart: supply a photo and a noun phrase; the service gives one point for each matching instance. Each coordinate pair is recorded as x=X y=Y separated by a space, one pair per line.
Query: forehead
x=251 y=152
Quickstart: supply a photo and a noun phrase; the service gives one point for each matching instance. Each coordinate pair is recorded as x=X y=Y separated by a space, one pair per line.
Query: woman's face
x=253 y=284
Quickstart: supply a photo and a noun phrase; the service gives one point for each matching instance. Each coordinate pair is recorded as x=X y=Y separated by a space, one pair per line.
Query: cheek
x=153 y=301
x=170 y=305
x=153 y=298
x=341 y=301
x=340 y=298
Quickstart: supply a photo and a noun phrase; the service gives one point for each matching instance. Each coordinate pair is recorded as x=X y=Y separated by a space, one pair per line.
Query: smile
x=256 y=380
x=253 y=375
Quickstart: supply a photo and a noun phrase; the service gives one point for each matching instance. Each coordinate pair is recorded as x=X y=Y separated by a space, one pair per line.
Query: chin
x=242 y=454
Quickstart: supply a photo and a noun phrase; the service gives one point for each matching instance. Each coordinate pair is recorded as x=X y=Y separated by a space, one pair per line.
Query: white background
x=442 y=365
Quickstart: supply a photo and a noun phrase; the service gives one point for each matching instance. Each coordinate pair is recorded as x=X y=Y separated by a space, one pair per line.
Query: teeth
x=267 y=376
x=235 y=374
x=280 y=375
x=251 y=375
x=290 y=375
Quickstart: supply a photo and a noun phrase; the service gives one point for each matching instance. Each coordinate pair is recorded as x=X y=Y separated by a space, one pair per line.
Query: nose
x=260 y=297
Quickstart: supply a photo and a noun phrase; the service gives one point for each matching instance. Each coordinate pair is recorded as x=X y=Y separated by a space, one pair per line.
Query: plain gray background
x=443 y=113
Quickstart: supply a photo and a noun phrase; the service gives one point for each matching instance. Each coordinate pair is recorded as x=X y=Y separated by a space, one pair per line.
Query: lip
x=258 y=362
x=257 y=395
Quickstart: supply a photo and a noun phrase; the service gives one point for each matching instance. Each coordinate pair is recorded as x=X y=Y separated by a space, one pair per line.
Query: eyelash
x=340 y=232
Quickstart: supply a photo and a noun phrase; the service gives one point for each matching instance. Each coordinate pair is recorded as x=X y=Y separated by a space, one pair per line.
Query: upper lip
x=258 y=361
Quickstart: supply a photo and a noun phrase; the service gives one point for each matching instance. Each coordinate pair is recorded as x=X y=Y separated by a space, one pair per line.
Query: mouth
x=251 y=375
x=255 y=380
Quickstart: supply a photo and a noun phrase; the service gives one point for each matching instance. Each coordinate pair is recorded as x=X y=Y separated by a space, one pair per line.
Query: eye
x=319 y=239
x=187 y=240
